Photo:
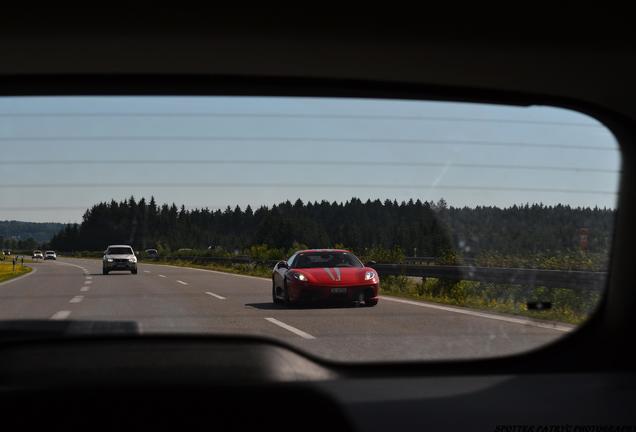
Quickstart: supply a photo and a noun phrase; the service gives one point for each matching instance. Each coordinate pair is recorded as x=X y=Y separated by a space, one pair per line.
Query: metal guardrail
x=572 y=279
x=432 y=260
x=222 y=260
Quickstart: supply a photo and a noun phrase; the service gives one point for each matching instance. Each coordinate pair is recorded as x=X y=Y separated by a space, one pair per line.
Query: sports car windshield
x=333 y=259
x=429 y=229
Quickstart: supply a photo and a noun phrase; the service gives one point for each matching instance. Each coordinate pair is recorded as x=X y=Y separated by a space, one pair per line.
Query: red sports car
x=332 y=275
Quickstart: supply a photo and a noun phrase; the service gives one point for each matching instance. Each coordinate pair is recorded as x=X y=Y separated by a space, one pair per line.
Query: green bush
x=381 y=255
x=565 y=260
x=572 y=306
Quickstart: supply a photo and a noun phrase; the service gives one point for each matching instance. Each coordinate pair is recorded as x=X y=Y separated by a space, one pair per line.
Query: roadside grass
x=6 y=271
x=568 y=306
x=27 y=259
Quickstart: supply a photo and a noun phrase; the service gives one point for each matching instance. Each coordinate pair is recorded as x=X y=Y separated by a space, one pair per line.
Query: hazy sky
x=219 y=151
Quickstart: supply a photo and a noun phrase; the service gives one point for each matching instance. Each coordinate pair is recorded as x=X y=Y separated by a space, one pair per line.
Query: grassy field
x=6 y=270
x=569 y=306
x=9 y=259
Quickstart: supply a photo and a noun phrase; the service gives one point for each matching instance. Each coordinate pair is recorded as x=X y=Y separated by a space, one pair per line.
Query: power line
x=51 y=208
x=40 y=208
x=304 y=162
x=164 y=138
x=300 y=186
x=342 y=116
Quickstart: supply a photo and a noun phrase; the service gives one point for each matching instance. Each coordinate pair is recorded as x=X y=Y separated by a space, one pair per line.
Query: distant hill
x=39 y=231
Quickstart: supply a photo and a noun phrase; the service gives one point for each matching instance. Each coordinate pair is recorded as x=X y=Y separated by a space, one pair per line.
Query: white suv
x=119 y=257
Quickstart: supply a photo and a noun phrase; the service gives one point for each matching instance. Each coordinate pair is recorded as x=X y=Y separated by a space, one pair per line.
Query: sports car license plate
x=338 y=290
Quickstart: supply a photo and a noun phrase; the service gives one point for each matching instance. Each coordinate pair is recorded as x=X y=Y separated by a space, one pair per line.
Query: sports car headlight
x=369 y=275
x=132 y=260
x=109 y=259
x=299 y=276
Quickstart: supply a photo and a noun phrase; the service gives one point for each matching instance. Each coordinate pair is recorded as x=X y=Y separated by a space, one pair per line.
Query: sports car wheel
x=286 y=294
x=104 y=271
x=370 y=303
x=275 y=299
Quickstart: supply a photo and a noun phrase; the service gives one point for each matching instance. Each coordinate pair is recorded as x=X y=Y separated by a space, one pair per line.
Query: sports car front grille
x=351 y=291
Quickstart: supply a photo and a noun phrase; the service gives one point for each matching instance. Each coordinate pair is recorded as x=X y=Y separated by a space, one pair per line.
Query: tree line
x=414 y=227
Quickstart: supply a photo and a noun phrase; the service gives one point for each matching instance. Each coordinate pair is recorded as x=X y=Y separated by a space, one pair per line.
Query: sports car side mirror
x=370 y=264
x=282 y=264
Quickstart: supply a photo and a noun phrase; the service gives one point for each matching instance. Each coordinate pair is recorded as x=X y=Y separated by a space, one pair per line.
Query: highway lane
x=166 y=299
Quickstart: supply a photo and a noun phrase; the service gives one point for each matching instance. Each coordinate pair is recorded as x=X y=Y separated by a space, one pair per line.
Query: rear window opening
x=465 y=230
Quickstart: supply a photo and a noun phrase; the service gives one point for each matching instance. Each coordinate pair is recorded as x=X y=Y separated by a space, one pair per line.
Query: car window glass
x=490 y=225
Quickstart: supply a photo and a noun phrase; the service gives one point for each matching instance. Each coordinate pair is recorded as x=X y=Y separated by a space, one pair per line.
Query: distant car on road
x=37 y=254
x=119 y=257
x=50 y=255
x=332 y=275
x=152 y=253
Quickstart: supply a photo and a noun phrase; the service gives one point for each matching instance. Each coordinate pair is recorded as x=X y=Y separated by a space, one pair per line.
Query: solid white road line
x=84 y=288
x=61 y=315
x=33 y=271
x=215 y=295
x=287 y=327
x=528 y=322
x=162 y=276
x=182 y=282
x=76 y=299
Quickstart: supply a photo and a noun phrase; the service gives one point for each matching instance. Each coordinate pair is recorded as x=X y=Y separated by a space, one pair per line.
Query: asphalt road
x=166 y=299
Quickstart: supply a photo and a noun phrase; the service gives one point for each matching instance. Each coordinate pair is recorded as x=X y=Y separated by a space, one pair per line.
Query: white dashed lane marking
x=287 y=327
x=215 y=295
x=162 y=276
x=84 y=288
x=88 y=282
x=61 y=315
x=146 y=271
x=76 y=299
x=182 y=282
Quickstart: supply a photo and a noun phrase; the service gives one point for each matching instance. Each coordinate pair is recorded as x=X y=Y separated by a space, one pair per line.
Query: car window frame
x=607 y=327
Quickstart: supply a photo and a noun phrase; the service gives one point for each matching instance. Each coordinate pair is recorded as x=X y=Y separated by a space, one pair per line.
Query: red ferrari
x=330 y=275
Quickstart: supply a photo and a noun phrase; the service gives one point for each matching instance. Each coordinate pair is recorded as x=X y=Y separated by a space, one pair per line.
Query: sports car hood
x=335 y=275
